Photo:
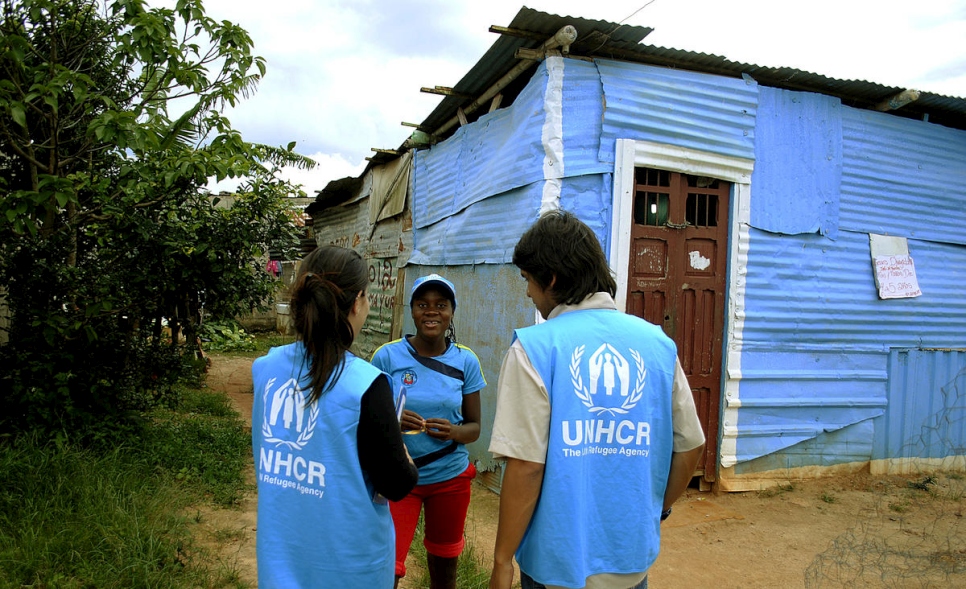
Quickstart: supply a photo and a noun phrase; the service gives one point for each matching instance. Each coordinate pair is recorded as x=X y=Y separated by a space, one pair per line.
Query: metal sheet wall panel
x=677 y=107
x=849 y=445
x=487 y=231
x=492 y=303
x=386 y=251
x=927 y=406
x=903 y=177
x=583 y=113
x=500 y=152
x=484 y=233
x=809 y=290
x=791 y=395
x=816 y=340
x=798 y=163
x=436 y=176
x=590 y=199
x=348 y=226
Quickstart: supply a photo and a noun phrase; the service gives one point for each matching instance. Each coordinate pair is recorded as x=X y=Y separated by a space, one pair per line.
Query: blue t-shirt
x=434 y=388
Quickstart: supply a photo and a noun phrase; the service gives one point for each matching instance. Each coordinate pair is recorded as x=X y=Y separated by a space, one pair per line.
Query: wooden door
x=676 y=279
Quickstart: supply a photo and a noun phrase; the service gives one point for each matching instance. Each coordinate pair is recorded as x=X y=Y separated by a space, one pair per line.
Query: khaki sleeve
x=521 y=427
x=688 y=434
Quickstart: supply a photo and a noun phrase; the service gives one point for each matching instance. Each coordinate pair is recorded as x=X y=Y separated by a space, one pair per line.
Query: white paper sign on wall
x=895 y=277
x=893 y=269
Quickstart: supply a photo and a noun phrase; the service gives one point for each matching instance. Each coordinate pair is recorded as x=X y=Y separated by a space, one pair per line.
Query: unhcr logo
x=615 y=386
x=287 y=421
x=609 y=389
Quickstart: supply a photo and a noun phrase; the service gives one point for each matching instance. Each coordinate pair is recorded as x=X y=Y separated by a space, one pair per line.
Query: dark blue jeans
x=527 y=583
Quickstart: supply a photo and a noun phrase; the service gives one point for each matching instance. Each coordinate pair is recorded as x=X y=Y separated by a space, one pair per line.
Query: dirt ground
x=846 y=531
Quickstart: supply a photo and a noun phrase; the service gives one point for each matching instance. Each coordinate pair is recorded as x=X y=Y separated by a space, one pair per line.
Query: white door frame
x=631 y=154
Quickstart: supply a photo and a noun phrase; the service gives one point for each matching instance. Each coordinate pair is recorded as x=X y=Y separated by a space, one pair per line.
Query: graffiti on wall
x=382 y=293
x=346 y=241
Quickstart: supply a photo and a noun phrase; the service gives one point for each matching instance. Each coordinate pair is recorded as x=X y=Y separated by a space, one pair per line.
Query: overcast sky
x=343 y=74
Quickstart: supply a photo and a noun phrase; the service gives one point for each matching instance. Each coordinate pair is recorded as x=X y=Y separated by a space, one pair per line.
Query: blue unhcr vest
x=610 y=377
x=317 y=523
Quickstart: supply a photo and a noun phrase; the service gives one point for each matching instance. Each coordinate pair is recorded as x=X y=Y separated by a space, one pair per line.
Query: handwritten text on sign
x=896 y=276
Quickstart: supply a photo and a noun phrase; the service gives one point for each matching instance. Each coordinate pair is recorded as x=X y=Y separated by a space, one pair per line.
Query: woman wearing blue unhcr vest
x=326 y=439
x=442 y=380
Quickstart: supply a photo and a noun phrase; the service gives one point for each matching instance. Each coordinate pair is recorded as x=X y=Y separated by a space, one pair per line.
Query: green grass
x=266 y=340
x=776 y=491
x=900 y=506
x=263 y=341
x=119 y=518
x=471 y=571
x=205 y=447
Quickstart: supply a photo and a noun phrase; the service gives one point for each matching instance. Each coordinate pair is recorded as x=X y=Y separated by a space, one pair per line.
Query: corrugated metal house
x=801 y=238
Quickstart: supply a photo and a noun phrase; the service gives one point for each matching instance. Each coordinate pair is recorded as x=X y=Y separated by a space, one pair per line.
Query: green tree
x=111 y=127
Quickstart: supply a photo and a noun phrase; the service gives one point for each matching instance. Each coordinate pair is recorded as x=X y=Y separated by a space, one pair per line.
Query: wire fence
x=914 y=538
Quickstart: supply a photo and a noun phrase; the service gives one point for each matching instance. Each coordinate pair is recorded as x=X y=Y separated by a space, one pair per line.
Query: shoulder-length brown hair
x=329 y=281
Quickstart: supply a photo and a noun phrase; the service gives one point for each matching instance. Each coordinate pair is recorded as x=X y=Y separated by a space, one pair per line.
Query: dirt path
x=847 y=531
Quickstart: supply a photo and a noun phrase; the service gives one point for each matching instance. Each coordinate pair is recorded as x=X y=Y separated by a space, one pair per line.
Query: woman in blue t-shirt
x=442 y=382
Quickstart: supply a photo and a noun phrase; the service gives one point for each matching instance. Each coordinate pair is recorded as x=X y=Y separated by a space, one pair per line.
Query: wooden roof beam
x=519 y=33
x=415 y=126
x=898 y=101
x=444 y=91
x=563 y=39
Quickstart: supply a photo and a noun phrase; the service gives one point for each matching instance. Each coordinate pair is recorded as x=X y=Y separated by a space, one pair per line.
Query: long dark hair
x=559 y=244
x=330 y=280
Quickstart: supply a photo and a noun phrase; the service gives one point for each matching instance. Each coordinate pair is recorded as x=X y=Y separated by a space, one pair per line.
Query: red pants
x=446 y=505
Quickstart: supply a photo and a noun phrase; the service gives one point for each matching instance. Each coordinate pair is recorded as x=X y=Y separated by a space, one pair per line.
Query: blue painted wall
x=903 y=177
x=798 y=163
x=677 y=107
x=820 y=351
x=927 y=405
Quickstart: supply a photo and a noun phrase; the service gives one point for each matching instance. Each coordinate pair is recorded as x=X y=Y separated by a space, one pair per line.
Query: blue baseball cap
x=434 y=280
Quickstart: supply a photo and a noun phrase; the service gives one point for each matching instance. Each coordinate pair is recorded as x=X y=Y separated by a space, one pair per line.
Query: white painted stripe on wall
x=552 y=136
x=735 y=324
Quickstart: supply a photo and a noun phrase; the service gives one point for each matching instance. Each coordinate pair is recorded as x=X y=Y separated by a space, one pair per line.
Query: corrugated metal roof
x=607 y=40
x=500 y=58
x=603 y=39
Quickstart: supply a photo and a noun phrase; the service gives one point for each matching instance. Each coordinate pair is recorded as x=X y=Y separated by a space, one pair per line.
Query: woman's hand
x=464 y=433
x=441 y=429
x=411 y=422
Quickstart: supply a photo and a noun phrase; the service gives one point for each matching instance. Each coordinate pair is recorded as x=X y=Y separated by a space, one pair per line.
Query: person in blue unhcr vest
x=595 y=420
x=328 y=450
x=442 y=381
